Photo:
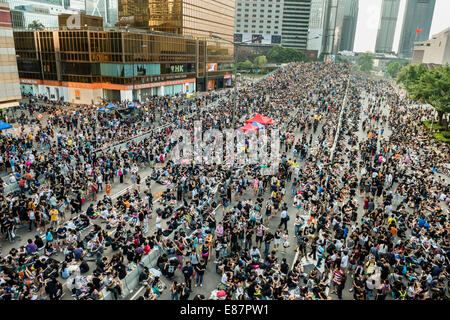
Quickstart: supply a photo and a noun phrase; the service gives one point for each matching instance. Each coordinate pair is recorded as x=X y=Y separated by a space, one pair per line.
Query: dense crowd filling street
x=357 y=209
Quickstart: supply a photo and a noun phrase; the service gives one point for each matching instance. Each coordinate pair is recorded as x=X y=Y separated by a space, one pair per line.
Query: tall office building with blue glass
x=418 y=15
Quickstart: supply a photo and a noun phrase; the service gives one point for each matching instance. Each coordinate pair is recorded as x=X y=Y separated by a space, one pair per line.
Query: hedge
x=442 y=136
x=436 y=127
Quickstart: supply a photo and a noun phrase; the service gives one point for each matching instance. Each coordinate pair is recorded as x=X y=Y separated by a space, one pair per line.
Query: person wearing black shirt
x=200 y=269
x=84 y=267
x=267 y=240
x=284 y=267
x=248 y=238
x=188 y=271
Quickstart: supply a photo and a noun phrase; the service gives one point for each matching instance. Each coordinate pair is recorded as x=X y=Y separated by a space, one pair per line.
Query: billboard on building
x=228 y=80
x=255 y=38
x=211 y=67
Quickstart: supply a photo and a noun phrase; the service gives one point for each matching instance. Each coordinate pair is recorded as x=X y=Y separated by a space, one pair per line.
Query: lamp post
x=234 y=43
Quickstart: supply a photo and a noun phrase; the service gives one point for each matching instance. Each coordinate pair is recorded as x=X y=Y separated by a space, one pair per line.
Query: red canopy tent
x=261 y=119
x=249 y=127
x=269 y=120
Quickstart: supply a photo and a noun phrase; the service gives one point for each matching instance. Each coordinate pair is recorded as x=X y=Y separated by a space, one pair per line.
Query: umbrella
x=110 y=105
x=249 y=127
x=4 y=125
x=102 y=110
x=257 y=124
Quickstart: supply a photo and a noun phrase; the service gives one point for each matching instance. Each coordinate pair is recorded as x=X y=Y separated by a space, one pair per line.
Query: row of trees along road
x=431 y=86
x=277 y=54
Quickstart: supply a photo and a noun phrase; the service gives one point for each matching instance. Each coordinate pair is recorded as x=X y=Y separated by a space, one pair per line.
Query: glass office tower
x=198 y=18
x=386 y=28
x=418 y=15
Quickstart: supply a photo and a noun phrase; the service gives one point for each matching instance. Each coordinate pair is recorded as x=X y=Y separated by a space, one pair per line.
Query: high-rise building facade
x=262 y=17
x=107 y=9
x=23 y=17
x=45 y=12
x=386 y=27
x=295 y=26
x=9 y=77
x=418 y=17
x=334 y=19
x=86 y=65
x=55 y=7
x=351 y=9
x=316 y=25
x=435 y=51
x=197 y=18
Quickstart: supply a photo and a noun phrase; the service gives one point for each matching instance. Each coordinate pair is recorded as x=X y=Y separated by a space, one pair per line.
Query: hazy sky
x=369 y=17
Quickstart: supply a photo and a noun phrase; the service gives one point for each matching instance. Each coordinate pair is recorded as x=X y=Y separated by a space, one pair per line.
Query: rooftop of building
x=434 y=37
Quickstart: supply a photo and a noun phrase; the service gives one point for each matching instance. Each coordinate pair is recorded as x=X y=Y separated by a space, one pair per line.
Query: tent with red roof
x=261 y=119
x=249 y=127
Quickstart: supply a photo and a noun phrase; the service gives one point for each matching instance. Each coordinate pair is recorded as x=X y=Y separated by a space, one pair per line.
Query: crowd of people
x=357 y=208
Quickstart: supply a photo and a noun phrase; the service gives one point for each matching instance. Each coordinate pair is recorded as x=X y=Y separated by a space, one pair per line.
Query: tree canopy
x=279 y=54
x=260 y=62
x=245 y=65
x=36 y=25
x=366 y=61
x=410 y=74
x=433 y=87
x=393 y=68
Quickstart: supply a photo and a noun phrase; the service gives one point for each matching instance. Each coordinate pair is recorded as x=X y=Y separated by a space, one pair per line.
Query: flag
x=418 y=30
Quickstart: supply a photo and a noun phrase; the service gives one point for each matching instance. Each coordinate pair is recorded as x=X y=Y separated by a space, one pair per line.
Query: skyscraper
x=416 y=25
x=316 y=25
x=9 y=76
x=351 y=9
x=259 y=17
x=295 y=23
x=334 y=19
x=386 y=28
x=107 y=9
x=198 y=18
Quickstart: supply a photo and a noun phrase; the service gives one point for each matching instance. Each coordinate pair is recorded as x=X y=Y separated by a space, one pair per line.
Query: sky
x=369 y=16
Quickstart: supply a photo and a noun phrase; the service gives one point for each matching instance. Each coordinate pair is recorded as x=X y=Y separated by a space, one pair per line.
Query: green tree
x=410 y=74
x=393 y=68
x=260 y=62
x=366 y=61
x=279 y=54
x=36 y=25
x=246 y=65
x=433 y=87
